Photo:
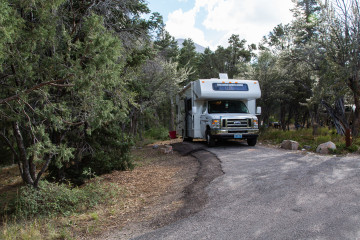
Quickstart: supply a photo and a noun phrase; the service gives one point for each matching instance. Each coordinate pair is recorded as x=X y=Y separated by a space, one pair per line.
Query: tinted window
x=227 y=106
x=230 y=87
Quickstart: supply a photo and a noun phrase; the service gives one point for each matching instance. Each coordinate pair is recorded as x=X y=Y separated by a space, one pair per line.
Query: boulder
x=167 y=149
x=324 y=147
x=290 y=145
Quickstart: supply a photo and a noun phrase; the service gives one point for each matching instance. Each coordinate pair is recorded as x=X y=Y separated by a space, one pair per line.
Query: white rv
x=213 y=109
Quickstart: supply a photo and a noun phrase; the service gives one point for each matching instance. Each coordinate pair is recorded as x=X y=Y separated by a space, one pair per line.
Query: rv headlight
x=215 y=123
x=255 y=121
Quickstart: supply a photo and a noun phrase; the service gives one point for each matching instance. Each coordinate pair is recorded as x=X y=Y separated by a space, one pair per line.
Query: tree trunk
x=356 y=120
x=282 y=117
x=337 y=114
x=23 y=160
x=289 y=119
x=172 y=114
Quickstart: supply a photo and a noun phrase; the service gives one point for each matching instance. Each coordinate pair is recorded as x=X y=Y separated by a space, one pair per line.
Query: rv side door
x=180 y=116
x=188 y=118
x=203 y=119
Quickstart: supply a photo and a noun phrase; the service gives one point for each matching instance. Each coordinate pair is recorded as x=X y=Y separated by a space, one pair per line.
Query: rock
x=290 y=145
x=167 y=149
x=155 y=146
x=324 y=147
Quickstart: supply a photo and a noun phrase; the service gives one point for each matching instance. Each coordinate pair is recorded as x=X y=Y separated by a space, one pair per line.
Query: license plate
x=237 y=135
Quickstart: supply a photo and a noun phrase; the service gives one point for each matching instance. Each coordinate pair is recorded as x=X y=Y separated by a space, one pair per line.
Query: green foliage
x=322 y=139
x=305 y=138
x=157 y=133
x=112 y=151
x=52 y=199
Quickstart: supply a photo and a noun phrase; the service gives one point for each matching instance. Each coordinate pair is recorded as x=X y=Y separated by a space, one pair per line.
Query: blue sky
x=211 y=22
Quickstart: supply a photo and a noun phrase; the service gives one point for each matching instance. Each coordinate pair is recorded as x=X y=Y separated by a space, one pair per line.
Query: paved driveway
x=269 y=193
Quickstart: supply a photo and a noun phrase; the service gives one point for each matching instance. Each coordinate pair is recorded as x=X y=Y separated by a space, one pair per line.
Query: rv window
x=230 y=87
x=227 y=106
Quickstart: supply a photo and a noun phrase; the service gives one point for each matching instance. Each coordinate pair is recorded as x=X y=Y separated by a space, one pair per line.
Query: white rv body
x=207 y=109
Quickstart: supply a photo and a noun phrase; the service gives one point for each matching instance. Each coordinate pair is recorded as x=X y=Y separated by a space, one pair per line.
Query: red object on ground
x=172 y=134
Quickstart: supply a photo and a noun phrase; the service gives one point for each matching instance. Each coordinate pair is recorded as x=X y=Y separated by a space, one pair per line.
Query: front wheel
x=210 y=139
x=251 y=141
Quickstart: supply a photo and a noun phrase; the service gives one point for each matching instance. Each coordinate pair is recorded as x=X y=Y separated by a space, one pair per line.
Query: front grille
x=236 y=123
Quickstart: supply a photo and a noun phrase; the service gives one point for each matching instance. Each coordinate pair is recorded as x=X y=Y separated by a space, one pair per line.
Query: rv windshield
x=227 y=106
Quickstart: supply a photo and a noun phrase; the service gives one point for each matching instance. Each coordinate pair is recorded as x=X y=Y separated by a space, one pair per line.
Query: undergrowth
x=35 y=213
x=52 y=199
x=307 y=140
x=158 y=133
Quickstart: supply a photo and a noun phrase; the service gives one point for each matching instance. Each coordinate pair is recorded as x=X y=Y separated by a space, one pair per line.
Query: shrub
x=107 y=149
x=53 y=199
x=159 y=133
x=322 y=139
x=305 y=138
x=111 y=151
x=353 y=148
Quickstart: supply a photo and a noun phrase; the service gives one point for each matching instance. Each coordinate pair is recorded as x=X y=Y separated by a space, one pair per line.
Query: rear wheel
x=210 y=139
x=251 y=141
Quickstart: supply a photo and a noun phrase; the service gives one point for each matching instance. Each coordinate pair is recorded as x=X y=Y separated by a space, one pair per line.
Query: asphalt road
x=268 y=193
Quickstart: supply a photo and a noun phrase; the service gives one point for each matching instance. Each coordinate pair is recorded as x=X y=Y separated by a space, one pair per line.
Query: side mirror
x=258 y=111
x=194 y=109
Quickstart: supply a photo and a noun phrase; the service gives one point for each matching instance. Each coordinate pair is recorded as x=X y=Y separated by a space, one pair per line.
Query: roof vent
x=223 y=76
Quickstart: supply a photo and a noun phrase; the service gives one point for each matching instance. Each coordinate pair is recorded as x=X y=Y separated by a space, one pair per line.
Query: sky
x=211 y=22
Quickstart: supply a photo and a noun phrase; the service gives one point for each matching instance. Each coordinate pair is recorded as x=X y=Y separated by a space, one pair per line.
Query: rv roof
x=226 y=89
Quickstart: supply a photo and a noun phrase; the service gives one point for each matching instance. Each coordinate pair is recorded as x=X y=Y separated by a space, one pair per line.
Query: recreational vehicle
x=214 y=109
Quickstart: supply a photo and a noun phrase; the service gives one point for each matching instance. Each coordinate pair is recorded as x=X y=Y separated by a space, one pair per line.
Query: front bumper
x=234 y=134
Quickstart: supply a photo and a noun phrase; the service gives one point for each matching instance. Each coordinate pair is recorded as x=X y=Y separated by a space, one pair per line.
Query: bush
x=159 y=133
x=305 y=137
x=107 y=149
x=322 y=139
x=353 y=148
x=53 y=199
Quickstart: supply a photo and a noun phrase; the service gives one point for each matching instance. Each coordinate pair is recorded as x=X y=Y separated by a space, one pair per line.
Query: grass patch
x=90 y=209
x=52 y=199
x=159 y=133
x=59 y=211
x=305 y=139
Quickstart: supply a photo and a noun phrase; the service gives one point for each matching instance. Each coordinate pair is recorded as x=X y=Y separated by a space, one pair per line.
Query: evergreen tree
x=188 y=58
x=207 y=65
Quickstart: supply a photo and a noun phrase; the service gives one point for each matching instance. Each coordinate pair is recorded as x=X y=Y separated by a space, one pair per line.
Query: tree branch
x=17 y=96
x=43 y=169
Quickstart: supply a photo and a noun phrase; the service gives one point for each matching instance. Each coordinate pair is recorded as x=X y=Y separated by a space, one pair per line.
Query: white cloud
x=182 y=25
x=248 y=18
x=251 y=19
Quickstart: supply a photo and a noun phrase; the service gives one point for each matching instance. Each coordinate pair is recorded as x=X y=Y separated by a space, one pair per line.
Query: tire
x=251 y=141
x=210 y=139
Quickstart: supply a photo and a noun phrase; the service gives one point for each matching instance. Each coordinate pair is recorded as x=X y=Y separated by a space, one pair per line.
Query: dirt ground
x=165 y=186
x=170 y=187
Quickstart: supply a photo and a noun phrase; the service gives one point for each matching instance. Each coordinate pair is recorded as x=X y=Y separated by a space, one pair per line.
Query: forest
x=82 y=80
